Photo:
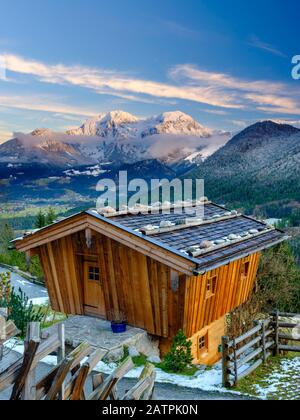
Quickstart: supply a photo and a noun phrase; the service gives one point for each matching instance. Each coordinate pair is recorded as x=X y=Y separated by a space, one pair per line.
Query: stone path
x=98 y=333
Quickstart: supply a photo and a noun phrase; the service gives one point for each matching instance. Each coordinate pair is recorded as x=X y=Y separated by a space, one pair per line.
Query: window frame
x=245 y=272
x=211 y=286
x=93 y=272
x=205 y=347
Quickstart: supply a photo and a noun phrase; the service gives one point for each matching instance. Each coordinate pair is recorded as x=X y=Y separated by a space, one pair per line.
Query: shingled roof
x=216 y=238
x=222 y=236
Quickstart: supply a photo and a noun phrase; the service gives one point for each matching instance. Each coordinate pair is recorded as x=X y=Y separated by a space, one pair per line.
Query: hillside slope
x=259 y=165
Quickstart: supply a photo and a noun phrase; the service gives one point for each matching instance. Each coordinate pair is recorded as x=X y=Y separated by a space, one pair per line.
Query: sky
x=227 y=63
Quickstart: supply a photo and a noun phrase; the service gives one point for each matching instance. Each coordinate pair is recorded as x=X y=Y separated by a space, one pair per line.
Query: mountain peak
x=176 y=123
x=175 y=115
x=40 y=132
x=103 y=123
x=269 y=127
x=119 y=117
x=120 y=125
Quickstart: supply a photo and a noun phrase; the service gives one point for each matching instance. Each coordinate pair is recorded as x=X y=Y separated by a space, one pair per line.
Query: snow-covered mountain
x=115 y=124
x=122 y=125
x=117 y=137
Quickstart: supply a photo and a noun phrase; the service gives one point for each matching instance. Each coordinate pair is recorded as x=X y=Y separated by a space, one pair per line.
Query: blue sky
x=225 y=62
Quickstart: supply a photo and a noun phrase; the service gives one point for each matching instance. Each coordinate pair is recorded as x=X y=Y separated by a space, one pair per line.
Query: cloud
x=4 y=135
x=257 y=43
x=221 y=91
x=221 y=80
x=275 y=104
x=295 y=123
x=45 y=104
x=239 y=123
x=114 y=83
x=247 y=92
x=215 y=111
x=179 y=29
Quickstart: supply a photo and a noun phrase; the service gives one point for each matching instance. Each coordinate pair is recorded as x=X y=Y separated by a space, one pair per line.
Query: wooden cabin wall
x=139 y=286
x=150 y=293
x=231 y=292
x=61 y=276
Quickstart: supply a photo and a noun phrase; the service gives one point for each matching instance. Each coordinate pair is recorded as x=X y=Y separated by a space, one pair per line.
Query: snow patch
x=42 y=301
x=92 y=171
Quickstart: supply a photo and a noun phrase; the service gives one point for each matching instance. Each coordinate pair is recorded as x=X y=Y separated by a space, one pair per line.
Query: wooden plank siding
x=231 y=291
x=153 y=296
x=134 y=283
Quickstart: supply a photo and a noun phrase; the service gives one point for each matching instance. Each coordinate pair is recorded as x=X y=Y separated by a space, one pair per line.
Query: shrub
x=5 y=286
x=21 y=311
x=277 y=287
x=179 y=358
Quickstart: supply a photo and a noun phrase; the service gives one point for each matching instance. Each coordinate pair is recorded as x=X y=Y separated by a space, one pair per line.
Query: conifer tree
x=40 y=220
x=180 y=356
x=50 y=216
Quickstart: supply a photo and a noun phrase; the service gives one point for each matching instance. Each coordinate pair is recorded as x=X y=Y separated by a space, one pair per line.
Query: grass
x=50 y=317
x=141 y=360
x=188 y=371
x=278 y=379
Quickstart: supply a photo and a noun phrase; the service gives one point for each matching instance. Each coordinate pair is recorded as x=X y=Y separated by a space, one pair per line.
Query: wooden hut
x=165 y=272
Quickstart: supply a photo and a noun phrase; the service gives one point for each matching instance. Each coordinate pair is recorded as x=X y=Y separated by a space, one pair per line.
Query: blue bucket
x=118 y=328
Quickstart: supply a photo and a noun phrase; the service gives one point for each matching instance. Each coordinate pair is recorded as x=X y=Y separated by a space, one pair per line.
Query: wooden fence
x=287 y=330
x=67 y=380
x=244 y=354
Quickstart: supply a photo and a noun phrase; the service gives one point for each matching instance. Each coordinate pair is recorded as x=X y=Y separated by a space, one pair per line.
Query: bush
x=279 y=280
x=5 y=286
x=277 y=287
x=179 y=359
x=21 y=311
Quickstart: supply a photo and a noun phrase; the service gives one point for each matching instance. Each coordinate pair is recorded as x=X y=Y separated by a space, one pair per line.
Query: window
x=202 y=344
x=94 y=273
x=211 y=286
x=245 y=269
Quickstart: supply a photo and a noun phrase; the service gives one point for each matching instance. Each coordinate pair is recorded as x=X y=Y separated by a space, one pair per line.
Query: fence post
x=263 y=337
x=236 y=376
x=264 y=341
x=276 y=326
x=2 y=334
x=225 y=354
x=33 y=333
x=61 y=353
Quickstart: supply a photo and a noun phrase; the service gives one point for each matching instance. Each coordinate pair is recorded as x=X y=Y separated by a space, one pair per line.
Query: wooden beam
x=147 y=248
x=87 y=222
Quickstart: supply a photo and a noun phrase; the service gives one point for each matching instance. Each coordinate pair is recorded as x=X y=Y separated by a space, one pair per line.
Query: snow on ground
x=283 y=383
x=206 y=380
x=94 y=171
x=39 y=301
x=18 y=346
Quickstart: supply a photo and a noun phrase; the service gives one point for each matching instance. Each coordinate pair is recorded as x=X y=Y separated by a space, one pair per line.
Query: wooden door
x=94 y=303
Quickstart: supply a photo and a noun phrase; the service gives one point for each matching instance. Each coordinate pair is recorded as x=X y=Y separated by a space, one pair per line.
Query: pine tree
x=180 y=356
x=6 y=235
x=40 y=220
x=51 y=216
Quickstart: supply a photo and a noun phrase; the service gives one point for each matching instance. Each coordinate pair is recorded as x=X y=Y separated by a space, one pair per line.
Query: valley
x=256 y=170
